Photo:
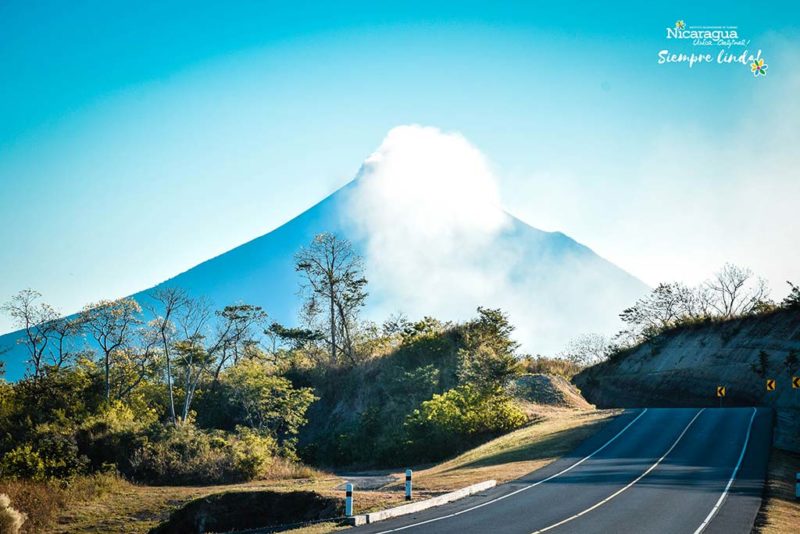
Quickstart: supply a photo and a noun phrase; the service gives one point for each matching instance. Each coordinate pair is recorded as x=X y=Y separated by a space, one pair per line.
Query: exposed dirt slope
x=549 y=390
x=683 y=367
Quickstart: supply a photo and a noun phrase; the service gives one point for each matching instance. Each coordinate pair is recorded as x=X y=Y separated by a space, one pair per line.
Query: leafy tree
x=193 y=360
x=296 y=338
x=489 y=361
x=662 y=308
x=111 y=323
x=334 y=287
x=792 y=362
x=237 y=329
x=763 y=364
x=267 y=403
x=792 y=300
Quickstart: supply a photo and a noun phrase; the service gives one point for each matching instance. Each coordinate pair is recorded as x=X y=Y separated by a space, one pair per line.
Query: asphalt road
x=660 y=470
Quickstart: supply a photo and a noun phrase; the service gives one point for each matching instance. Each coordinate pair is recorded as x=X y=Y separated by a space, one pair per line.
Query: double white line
x=700 y=529
x=525 y=488
x=625 y=488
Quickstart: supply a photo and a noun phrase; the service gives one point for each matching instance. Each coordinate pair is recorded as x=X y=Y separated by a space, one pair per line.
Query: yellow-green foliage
x=51 y=453
x=459 y=418
x=266 y=402
x=22 y=462
x=464 y=410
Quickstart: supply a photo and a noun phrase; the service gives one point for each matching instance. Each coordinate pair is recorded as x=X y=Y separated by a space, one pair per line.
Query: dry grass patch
x=518 y=453
x=554 y=432
x=780 y=511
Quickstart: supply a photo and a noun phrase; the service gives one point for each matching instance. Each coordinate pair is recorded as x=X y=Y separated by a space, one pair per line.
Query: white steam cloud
x=426 y=210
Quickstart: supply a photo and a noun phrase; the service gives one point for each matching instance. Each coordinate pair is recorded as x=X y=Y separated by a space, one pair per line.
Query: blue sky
x=139 y=139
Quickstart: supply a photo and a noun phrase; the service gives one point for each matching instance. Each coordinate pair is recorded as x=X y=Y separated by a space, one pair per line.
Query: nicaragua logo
x=694 y=42
x=711 y=33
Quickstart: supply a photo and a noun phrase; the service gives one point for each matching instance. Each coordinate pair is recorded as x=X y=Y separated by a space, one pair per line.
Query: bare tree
x=169 y=302
x=733 y=291
x=36 y=320
x=237 y=327
x=64 y=330
x=112 y=324
x=588 y=349
x=136 y=362
x=192 y=355
x=334 y=287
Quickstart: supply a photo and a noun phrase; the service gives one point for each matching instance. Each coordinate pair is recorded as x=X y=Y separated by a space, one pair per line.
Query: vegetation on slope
x=170 y=392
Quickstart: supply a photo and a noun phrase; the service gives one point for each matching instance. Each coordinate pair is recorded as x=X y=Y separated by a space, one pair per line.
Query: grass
x=517 y=453
x=780 y=511
x=43 y=502
x=95 y=505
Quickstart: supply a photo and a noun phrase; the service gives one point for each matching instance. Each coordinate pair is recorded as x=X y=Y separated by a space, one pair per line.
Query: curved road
x=657 y=470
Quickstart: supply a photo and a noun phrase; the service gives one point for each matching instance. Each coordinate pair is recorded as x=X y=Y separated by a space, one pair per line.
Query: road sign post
x=770 y=384
x=721 y=391
x=796 y=382
x=348 y=500
x=797 y=486
x=408 y=484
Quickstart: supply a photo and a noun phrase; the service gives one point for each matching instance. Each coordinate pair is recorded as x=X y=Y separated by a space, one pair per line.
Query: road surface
x=659 y=470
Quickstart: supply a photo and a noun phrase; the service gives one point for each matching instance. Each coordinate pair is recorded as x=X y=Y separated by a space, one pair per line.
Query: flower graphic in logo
x=759 y=68
x=680 y=25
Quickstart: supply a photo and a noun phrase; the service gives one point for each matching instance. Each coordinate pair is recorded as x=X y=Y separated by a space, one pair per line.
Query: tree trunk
x=108 y=376
x=169 y=377
x=333 y=327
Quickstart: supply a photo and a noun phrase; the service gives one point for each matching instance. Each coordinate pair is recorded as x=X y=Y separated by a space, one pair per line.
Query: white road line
x=551 y=477
x=618 y=492
x=717 y=506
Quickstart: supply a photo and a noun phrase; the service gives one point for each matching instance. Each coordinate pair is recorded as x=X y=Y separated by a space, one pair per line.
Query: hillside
x=683 y=367
x=548 y=268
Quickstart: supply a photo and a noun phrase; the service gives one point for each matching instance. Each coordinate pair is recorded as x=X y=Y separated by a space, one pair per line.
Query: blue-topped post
x=408 y=484
x=348 y=500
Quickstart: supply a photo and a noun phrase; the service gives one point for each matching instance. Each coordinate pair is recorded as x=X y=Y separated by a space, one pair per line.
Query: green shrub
x=188 y=455
x=459 y=418
x=22 y=462
x=112 y=435
x=51 y=453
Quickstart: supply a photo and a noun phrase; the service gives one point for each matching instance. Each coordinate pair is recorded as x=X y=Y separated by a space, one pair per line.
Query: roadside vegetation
x=780 y=511
x=732 y=293
x=168 y=391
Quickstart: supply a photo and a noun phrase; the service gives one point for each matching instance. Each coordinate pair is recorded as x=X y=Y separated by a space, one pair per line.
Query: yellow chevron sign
x=796 y=382
x=720 y=391
x=770 y=384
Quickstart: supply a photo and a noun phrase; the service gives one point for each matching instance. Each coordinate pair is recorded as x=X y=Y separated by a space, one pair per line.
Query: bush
x=186 y=455
x=51 y=453
x=22 y=462
x=111 y=436
x=458 y=419
x=11 y=520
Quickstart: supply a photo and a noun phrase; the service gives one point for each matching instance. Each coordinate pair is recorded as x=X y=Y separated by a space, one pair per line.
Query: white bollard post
x=797 y=486
x=348 y=500
x=408 y=484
